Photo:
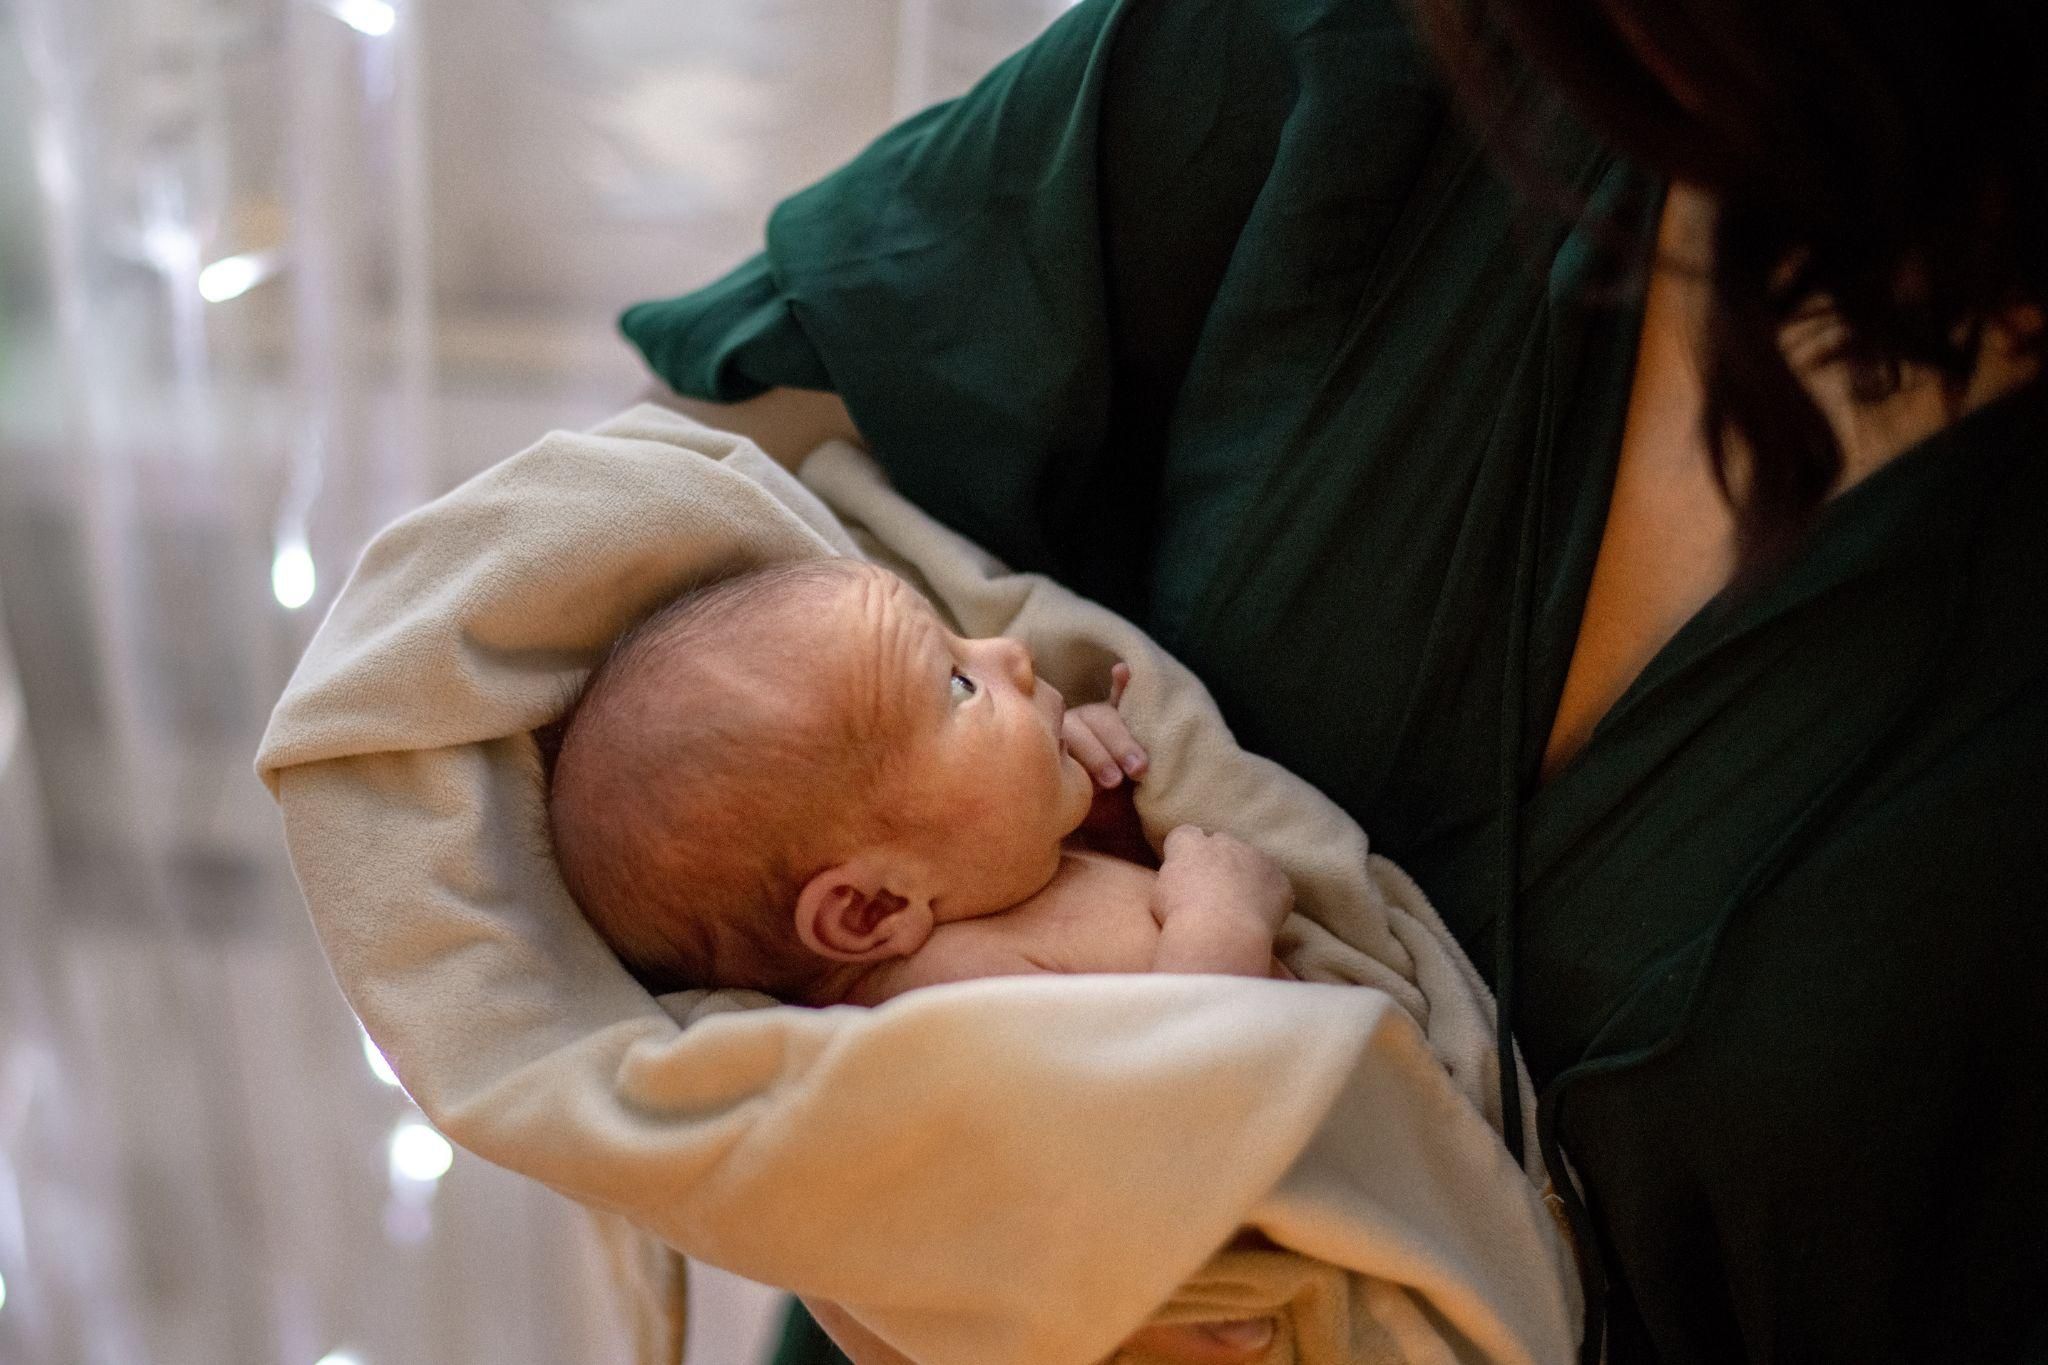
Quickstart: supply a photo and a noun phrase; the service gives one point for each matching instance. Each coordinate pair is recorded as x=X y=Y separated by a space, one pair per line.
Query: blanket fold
x=1006 y=1172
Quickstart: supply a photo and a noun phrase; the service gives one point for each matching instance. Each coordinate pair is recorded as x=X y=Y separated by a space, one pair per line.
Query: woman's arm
x=1218 y=1343
x=787 y=423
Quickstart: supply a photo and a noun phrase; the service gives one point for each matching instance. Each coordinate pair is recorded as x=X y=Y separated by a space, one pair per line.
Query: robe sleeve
x=1006 y=289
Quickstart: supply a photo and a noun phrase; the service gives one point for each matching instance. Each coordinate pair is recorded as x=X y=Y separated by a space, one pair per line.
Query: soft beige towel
x=1008 y=1172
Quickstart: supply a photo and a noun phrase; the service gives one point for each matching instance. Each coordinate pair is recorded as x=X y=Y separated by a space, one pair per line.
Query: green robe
x=1213 y=310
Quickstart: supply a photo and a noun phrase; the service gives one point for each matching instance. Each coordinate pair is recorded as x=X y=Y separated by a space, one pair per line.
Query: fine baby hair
x=703 y=773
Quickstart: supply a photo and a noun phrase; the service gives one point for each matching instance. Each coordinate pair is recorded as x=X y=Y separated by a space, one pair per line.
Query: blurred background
x=272 y=272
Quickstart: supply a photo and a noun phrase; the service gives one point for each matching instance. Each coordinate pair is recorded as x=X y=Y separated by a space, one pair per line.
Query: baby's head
x=797 y=770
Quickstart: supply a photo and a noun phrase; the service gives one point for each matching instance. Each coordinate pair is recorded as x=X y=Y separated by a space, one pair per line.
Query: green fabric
x=803 y=1342
x=1212 y=310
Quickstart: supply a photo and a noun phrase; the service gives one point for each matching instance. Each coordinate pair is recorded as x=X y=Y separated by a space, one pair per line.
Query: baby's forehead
x=807 y=643
x=886 y=641
x=847 y=597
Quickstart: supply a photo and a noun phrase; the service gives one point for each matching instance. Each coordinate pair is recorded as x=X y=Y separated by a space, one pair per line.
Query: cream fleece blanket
x=1007 y=1172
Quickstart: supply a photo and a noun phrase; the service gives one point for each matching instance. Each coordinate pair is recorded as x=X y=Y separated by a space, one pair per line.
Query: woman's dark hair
x=1884 y=159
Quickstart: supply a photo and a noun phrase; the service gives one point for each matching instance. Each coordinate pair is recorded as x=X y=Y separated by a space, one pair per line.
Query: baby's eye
x=963 y=686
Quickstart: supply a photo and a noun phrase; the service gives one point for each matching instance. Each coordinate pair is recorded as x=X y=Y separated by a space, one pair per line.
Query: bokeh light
x=379 y=1068
x=419 y=1154
x=230 y=277
x=374 y=18
x=291 y=574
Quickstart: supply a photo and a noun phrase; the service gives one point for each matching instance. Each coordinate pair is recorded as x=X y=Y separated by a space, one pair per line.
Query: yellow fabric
x=1006 y=1172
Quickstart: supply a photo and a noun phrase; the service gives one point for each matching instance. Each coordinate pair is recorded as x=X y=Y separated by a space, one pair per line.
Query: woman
x=1642 y=542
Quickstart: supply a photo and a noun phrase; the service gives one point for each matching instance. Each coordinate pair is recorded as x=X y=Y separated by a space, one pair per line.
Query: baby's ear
x=849 y=913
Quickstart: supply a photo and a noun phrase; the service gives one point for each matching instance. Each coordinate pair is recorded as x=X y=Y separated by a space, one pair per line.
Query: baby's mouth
x=1057 y=706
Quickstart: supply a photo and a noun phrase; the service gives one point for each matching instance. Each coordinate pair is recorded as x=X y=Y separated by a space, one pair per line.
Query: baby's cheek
x=1077 y=791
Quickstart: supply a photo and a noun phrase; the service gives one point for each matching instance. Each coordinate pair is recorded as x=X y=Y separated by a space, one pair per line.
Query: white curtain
x=272 y=271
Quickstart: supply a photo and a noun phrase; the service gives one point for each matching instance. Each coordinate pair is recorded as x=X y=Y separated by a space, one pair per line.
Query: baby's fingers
x=1097 y=736
x=1083 y=743
x=1107 y=725
x=1119 y=679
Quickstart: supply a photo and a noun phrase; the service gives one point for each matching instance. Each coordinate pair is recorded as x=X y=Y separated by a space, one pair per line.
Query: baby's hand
x=1218 y=903
x=1096 y=734
x=1221 y=873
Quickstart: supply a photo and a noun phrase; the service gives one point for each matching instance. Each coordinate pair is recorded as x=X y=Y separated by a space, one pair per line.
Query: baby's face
x=979 y=764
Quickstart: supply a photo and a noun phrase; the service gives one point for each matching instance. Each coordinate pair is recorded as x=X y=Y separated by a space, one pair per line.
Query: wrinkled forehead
x=842 y=648
x=885 y=647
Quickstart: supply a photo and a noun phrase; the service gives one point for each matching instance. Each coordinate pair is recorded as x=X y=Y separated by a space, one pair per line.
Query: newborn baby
x=799 y=781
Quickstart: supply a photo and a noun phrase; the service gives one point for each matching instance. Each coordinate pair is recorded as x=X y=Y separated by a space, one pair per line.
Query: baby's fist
x=1218 y=872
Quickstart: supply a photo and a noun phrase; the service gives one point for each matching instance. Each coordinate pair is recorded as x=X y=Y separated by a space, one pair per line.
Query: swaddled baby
x=799 y=781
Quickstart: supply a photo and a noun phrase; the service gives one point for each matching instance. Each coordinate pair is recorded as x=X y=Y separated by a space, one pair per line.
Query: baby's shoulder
x=1087 y=885
x=1100 y=872
x=1094 y=916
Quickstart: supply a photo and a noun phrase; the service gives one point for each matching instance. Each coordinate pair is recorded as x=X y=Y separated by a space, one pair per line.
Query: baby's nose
x=1015 y=658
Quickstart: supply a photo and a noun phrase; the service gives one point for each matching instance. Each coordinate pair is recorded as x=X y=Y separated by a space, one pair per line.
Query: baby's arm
x=1218 y=902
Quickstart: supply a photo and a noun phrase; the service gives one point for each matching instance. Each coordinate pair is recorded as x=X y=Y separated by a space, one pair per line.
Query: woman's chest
x=1362 y=489
x=1667 y=546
